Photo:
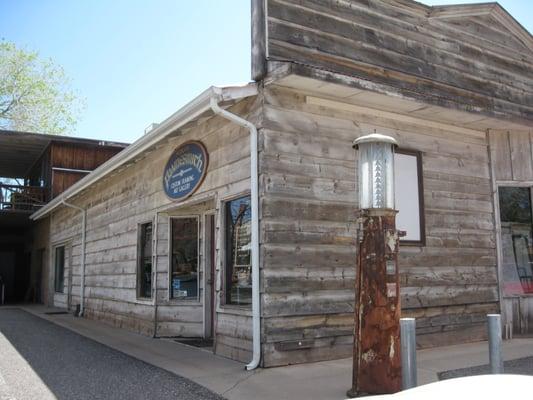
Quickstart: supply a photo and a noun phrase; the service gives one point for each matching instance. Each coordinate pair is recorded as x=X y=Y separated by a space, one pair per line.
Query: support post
x=495 y=343
x=408 y=352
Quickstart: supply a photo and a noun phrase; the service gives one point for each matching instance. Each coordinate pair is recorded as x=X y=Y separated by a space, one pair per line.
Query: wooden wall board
x=308 y=224
x=425 y=55
x=511 y=154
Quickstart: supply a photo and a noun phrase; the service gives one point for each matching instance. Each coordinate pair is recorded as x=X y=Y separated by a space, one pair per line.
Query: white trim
x=188 y=113
x=81 y=171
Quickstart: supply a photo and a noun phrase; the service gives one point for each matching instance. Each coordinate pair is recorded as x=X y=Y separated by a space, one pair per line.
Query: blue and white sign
x=185 y=170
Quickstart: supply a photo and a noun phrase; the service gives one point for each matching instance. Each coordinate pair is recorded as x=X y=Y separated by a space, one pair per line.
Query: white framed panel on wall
x=409 y=196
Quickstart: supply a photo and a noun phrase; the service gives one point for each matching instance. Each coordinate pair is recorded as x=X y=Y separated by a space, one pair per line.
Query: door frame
x=209 y=251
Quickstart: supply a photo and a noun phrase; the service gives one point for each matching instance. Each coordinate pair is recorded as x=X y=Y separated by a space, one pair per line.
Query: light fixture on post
x=376 y=356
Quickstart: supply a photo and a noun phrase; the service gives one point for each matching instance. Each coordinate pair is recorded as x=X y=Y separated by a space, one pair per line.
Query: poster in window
x=407 y=196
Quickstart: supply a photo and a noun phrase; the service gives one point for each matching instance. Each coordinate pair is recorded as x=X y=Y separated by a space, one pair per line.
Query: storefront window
x=59 y=264
x=184 y=251
x=144 y=272
x=238 y=251
x=517 y=240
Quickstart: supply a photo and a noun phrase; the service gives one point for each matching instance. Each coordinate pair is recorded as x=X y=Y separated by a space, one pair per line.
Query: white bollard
x=495 y=343
x=408 y=352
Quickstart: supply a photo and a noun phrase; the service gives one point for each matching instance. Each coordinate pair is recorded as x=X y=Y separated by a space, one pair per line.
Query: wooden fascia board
x=285 y=69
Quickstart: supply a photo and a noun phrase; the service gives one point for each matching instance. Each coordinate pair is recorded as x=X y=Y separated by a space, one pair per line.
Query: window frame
x=421 y=207
x=195 y=299
x=56 y=283
x=498 y=233
x=224 y=241
x=140 y=258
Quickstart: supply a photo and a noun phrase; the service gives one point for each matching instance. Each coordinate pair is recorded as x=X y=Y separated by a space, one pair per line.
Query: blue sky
x=137 y=62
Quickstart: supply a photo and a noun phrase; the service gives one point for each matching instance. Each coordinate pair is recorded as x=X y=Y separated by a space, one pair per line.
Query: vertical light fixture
x=376 y=356
x=376 y=171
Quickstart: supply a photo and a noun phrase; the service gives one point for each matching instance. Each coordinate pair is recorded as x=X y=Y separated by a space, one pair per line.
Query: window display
x=184 y=258
x=238 y=251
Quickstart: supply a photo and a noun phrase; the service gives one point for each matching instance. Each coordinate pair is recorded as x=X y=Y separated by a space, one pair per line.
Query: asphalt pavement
x=41 y=360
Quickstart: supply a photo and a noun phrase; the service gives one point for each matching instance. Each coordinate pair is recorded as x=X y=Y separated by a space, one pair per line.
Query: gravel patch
x=74 y=367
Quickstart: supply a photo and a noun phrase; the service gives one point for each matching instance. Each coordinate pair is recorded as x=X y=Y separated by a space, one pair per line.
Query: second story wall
x=467 y=57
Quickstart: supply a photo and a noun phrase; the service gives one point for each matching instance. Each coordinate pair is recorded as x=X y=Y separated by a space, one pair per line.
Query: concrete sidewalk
x=320 y=381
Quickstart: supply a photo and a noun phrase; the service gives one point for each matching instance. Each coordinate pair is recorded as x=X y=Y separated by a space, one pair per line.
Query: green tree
x=35 y=94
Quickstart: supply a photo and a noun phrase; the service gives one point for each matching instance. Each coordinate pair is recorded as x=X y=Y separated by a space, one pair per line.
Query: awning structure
x=19 y=151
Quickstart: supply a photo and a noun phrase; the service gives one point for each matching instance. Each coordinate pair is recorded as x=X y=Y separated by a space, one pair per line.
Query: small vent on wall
x=150 y=128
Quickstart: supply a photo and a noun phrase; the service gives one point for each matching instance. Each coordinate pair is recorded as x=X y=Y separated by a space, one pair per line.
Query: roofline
x=64 y=139
x=186 y=114
x=494 y=9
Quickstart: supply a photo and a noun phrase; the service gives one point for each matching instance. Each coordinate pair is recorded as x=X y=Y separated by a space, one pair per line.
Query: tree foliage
x=35 y=94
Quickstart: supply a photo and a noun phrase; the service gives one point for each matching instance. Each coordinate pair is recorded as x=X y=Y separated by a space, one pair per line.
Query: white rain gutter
x=83 y=241
x=256 y=302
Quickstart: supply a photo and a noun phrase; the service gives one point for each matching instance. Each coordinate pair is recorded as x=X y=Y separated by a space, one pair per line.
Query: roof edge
x=493 y=9
x=186 y=114
x=63 y=138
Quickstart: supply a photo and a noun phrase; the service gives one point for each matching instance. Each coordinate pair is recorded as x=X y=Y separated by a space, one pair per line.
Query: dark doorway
x=14 y=273
x=7 y=276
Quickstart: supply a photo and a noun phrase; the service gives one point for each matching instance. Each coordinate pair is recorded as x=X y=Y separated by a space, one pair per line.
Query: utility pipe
x=256 y=302
x=83 y=229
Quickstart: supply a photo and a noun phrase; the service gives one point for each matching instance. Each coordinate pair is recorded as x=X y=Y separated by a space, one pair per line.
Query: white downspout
x=256 y=301
x=82 y=274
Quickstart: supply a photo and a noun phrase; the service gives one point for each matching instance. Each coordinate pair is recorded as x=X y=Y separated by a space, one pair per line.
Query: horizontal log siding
x=118 y=203
x=308 y=231
x=463 y=62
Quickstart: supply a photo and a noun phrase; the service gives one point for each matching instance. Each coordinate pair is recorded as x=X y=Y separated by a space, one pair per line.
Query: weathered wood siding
x=512 y=165
x=65 y=157
x=512 y=155
x=308 y=230
x=133 y=195
x=473 y=58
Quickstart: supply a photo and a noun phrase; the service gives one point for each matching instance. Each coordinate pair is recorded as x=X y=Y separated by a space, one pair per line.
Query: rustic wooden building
x=168 y=246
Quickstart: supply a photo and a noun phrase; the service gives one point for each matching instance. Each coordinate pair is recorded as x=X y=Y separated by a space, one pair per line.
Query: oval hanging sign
x=185 y=170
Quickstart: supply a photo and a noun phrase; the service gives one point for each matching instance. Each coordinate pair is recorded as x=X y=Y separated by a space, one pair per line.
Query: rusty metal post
x=376 y=356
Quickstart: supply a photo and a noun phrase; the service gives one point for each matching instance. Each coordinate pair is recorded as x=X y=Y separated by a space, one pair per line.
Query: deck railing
x=21 y=198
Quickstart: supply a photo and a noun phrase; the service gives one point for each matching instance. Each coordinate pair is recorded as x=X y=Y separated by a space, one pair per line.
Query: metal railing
x=21 y=198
